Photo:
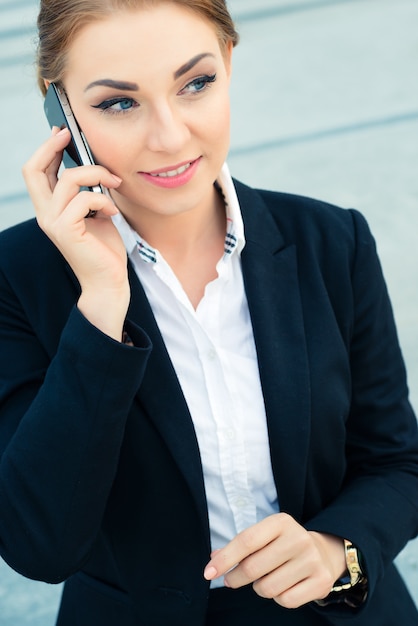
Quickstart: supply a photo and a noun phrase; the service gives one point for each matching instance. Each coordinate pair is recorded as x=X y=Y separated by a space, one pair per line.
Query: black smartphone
x=59 y=113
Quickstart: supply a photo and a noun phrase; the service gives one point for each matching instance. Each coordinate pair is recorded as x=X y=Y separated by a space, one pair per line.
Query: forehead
x=141 y=41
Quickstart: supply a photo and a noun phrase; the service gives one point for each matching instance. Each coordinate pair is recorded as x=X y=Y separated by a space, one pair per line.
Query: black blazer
x=100 y=476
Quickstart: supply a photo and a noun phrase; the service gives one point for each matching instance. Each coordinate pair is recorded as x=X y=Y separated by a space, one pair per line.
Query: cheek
x=217 y=122
x=108 y=149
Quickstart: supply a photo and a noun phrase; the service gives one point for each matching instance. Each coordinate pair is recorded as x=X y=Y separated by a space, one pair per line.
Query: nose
x=167 y=131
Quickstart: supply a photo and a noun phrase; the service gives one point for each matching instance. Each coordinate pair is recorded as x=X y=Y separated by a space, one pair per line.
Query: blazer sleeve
x=61 y=426
x=377 y=508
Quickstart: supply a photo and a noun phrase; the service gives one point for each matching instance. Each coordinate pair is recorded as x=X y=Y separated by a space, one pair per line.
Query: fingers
x=281 y=558
x=292 y=579
x=84 y=203
x=41 y=170
x=68 y=187
x=291 y=590
x=245 y=543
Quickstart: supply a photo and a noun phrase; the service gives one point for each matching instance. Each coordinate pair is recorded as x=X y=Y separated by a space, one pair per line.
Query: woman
x=204 y=413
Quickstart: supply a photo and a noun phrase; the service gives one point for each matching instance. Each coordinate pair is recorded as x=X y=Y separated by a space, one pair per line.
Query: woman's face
x=150 y=90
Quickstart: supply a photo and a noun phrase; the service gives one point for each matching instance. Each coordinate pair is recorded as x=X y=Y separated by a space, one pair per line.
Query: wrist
x=106 y=310
x=332 y=548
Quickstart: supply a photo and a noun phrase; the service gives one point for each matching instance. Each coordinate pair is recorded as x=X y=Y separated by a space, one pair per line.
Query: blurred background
x=324 y=104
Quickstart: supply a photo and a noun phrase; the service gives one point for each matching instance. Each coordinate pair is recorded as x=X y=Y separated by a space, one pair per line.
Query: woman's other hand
x=284 y=561
x=92 y=247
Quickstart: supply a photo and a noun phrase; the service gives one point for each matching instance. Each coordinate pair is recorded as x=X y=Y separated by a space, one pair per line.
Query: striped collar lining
x=234 y=237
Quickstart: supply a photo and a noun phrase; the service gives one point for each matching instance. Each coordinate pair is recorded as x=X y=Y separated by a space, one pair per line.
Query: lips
x=171 y=173
x=174 y=176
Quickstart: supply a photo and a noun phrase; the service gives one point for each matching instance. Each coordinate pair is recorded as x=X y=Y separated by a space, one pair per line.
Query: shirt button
x=240 y=502
x=212 y=354
x=227 y=434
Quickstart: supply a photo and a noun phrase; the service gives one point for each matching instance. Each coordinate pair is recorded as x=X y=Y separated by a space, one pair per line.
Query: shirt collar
x=234 y=238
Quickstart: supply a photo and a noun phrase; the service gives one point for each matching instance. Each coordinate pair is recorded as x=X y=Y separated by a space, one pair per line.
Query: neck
x=192 y=242
x=181 y=235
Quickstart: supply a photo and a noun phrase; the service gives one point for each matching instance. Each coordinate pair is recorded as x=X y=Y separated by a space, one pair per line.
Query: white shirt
x=213 y=353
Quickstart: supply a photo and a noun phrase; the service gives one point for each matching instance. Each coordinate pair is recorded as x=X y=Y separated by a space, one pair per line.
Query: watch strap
x=352 y=588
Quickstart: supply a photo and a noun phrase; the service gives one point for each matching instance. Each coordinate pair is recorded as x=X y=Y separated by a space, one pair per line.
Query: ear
x=47 y=83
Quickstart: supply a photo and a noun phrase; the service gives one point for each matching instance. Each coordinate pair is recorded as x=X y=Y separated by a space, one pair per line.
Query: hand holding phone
x=100 y=263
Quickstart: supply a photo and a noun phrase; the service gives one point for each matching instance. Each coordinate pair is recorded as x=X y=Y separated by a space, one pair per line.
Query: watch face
x=342 y=584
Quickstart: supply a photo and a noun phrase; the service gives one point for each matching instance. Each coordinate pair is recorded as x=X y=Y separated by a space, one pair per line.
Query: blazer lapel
x=272 y=287
x=162 y=399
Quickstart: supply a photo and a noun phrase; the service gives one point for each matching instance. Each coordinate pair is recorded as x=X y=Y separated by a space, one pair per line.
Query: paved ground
x=325 y=103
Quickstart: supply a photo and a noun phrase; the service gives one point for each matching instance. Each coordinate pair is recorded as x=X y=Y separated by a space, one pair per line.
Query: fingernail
x=117 y=179
x=63 y=131
x=210 y=572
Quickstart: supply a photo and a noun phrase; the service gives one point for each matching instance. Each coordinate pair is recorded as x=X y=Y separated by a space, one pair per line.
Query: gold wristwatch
x=351 y=589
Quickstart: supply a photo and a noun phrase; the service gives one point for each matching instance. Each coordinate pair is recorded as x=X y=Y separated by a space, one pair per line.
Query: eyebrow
x=122 y=85
x=190 y=64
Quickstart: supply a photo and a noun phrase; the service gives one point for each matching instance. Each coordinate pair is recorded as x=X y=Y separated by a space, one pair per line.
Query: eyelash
x=106 y=106
x=205 y=79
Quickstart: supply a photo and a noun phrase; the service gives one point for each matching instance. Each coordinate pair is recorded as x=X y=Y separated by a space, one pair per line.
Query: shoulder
x=31 y=268
x=25 y=233
x=24 y=247
x=304 y=221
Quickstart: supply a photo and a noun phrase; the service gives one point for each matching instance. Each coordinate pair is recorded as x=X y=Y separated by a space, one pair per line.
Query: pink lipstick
x=172 y=177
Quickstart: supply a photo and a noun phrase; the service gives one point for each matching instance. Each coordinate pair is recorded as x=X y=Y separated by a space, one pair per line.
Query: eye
x=198 y=84
x=117 y=105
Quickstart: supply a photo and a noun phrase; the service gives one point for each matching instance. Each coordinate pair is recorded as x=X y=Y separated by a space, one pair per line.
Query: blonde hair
x=59 y=21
